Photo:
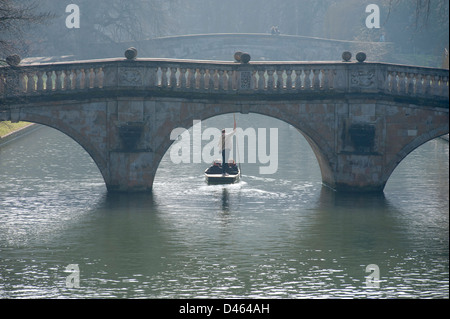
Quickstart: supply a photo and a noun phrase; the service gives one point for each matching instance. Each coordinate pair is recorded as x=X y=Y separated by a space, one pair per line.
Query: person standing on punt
x=225 y=147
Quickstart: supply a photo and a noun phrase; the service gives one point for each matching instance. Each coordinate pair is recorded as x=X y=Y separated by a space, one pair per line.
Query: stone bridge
x=361 y=119
x=262 y=47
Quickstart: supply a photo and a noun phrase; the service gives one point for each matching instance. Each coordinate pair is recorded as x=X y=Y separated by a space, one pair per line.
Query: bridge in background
x=361 y=119
x=262 y=47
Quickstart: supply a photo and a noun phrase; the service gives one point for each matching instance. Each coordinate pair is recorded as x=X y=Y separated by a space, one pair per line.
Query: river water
x=270 y=236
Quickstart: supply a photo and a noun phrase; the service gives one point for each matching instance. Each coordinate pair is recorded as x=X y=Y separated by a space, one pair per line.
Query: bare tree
x=15 y=18
x=103 y=24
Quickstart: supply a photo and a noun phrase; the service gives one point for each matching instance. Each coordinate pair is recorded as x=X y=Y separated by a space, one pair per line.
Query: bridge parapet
x=162 y=76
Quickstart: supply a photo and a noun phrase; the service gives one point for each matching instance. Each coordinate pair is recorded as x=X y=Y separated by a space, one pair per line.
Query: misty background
x=418 y=29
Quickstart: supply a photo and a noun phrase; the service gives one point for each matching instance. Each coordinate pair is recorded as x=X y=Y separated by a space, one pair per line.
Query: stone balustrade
x=217 y=77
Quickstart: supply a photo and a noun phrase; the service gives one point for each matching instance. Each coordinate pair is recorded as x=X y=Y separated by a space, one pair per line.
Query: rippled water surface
x=270 y=236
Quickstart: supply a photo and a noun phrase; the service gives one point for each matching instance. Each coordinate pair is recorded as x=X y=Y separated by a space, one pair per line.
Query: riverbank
x=11 y=131
x=7 y=127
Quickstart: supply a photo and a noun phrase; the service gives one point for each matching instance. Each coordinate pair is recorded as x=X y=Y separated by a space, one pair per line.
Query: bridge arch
x=72 y=132
x=318 y=144
x=412 y=146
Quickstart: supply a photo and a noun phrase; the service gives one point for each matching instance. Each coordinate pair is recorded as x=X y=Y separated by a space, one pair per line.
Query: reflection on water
x=277 y=236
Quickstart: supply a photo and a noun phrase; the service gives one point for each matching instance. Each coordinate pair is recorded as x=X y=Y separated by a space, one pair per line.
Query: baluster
x=307 y=84
x=68 y=79
x=230 y=80
x=89 y=80
x=217 y=79
x=444 y=86
x=99 y=74
x=279 y=79
x=410 y=81
x=253 y=80
x=163 y=77
x=40 y=81
x=325 y=79
x=191 y=78
x=419 y=85
x=298 y=79
x=65 y=80
x=201 y=83
x=173 y=77
x=30 y=82
x=261 y=80
x=25 y=80
x=221 y=80
x=211 y=79
x=270 y=80
x=387 y=82
x=436 y=85
x=49 y=81
x=226 y=80
x=101 y=79
x=196 y=77
x=182 y=78
x=394 y=84
x=289 y=79
x=58 y=80
x=76 y=81
x=158 y=76
x=84 y=79
x=427 y=85
x=316 y=79
x=401 y=83
x=73 y=79
x=206 y=77
x=80 y=79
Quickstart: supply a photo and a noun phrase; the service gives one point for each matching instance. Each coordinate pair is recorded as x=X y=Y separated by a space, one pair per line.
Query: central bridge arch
x=280 y=111
x=265 y=147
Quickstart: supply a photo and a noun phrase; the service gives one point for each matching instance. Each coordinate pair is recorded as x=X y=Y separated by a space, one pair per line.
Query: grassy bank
x=7 y=127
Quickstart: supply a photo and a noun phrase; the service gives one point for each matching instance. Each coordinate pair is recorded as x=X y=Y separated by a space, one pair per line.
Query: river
x=270 y=236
